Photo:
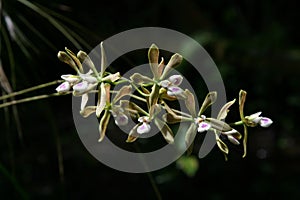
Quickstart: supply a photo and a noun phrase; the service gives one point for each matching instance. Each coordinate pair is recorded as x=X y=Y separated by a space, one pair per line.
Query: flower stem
x=237 y=123
x=30 y=89
x=44 y=96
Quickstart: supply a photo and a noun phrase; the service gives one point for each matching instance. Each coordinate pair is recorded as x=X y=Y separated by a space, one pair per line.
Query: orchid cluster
x=156 y=93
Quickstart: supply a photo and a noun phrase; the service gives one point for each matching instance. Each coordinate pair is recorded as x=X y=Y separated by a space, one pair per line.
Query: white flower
x=202 y=126
x=262 y=121
x=81 y=87
x=120 y=118
x=172 y=84
x=145 y=126
x=88 y=77
x=64 y=87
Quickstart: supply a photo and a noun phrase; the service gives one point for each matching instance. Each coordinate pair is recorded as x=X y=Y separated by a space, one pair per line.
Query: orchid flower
x=171 y=84
x=257 y=119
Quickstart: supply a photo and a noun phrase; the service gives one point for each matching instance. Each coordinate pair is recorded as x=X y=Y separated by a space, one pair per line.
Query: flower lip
x=144 y=128
x=176 y=79
x=174 y=90
x=121 y=119
x=265 y=122
x=203 y=126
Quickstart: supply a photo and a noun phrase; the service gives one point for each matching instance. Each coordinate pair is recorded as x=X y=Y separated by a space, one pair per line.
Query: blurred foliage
x=256 y=46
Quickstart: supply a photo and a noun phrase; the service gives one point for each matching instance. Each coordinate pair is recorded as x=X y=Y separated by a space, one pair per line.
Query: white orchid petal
x=174 y=90
x=84 y=100
x=70 y=78
x=233 y=140
x=141 y=119
x=64 y=87
x=203 y=126
x=81 y=87
x=176 y=79
x=254 y=116
x=144 y=128
x=265 y=122
x=89 y=78
x=230 y=132
x=164 y=83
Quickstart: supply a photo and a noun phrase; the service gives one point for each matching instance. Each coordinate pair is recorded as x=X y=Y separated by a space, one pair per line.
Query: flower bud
x=64 y=87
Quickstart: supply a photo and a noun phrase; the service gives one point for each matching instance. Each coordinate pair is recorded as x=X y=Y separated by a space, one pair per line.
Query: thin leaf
x=53 y=21
x=210 y=98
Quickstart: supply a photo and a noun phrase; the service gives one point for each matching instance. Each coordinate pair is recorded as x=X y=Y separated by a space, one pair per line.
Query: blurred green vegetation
x=255 y=45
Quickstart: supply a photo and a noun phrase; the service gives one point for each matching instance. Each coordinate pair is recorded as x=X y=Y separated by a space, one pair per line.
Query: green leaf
x=210 y=98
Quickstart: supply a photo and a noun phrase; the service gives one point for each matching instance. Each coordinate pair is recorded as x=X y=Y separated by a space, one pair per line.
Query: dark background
x=255 y=45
